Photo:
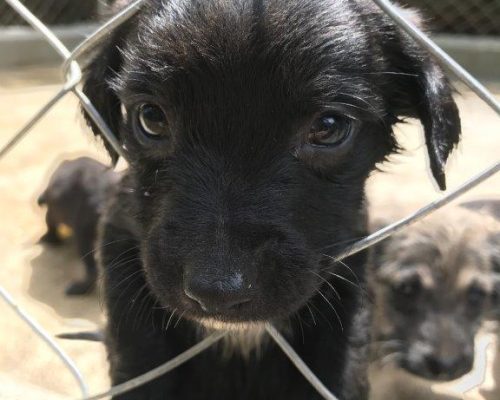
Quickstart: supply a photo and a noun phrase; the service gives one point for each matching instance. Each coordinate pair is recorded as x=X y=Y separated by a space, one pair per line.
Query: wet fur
x=236 y=189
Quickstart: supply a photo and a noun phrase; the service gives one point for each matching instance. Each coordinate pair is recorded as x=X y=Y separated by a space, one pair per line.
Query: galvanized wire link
x=418 y=215
x=99 y=121
x=71 y=72
x=299 y=363
x=52 y=12
x=438 y=53
x=47 y=339
x=470 y=17
x=40 y=27
x=32 y=122
x=101 y=33
x=162 y=369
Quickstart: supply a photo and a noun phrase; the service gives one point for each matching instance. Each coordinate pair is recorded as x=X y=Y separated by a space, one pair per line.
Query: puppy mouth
x=219 y=325
x=235 y=320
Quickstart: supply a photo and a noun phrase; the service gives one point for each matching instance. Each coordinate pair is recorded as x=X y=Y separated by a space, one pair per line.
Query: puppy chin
x=243 y=338
x=232 y=327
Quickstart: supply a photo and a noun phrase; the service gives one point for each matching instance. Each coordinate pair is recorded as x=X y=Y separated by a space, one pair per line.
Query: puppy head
x=433 y=286
x=250 y=128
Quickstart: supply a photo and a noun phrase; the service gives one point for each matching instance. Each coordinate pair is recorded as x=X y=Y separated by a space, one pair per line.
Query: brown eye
x=330 y=130
x=476 y=295
x=152 y=120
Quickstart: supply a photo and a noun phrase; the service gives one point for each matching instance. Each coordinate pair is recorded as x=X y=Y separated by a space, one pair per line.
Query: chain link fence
x=470 y=17
x=51 y=12
x=465 y=17
x=72 y=64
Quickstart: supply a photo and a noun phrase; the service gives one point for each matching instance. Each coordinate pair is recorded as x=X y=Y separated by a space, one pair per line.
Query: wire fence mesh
x=51 y=12
x=471 y=17
x=72 y=73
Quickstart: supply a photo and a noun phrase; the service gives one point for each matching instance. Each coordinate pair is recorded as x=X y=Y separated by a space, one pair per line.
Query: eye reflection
x=152 y=120
x=329 y=130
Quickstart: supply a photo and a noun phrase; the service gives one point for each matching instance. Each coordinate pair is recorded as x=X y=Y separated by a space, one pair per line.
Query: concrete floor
x=36 y=276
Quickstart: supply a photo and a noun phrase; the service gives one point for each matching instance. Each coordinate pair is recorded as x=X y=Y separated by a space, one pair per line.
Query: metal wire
x=470 y=17
x=71 y=72
x=162 y=369
x=299 y=363
x=32 y=122
x=94 y=39
x=418 y=215
x=438 y=53
x=47 y=339
x=40 y=27
x=52 y=12
x=99 y=121
x=72 y=75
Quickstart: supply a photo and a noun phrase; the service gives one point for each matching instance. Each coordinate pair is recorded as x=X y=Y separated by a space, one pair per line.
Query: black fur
x=233 y=195
x=74 y=197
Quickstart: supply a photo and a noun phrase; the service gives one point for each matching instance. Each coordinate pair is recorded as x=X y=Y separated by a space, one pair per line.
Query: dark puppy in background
x=433 y=286
x=74 y=198
x=491 y=207
x=250 y=128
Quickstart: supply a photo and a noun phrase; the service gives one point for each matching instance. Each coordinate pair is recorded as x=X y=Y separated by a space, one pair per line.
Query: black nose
x=218 y=294
x=447 y=368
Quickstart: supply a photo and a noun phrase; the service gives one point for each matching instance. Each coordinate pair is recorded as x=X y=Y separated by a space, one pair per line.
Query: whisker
x=322 y=315
x=328 y=283
x=125 y=279
x=332 y=307
x=389 y=73
x=310 y=311
x=342 y=243
x=170 y=318
x=140 y=315
x=343 y=278
x=104 y=245
x=179 y=319
x=345 y=266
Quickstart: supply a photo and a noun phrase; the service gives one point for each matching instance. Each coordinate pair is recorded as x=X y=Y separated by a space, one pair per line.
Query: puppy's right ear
x=494 y=254
x=420 y=89
x=494 y=243
x=97 y=86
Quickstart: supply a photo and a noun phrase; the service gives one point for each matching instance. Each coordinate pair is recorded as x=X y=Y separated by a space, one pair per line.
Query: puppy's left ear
x=494 y=244
x=105 y=64
x=494 y=254
x=421 y=90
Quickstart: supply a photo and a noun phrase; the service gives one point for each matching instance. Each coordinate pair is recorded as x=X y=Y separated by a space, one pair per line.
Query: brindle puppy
x=74 y=197
x=433 y=286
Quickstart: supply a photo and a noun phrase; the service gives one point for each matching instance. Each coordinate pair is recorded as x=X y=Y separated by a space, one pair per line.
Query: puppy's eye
x=475 y=295
x=329 y=130
x=152 y=120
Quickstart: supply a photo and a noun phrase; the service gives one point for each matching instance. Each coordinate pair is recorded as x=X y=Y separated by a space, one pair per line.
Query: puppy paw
x=79 y=288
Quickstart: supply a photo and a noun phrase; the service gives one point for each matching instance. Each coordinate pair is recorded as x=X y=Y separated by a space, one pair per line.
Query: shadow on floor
x=52 y=270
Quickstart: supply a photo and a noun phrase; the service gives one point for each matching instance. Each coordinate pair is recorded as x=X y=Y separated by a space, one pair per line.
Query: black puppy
x=74 y=198
x=250 y=128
